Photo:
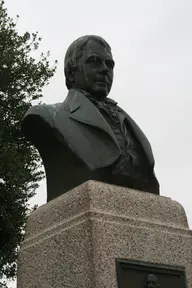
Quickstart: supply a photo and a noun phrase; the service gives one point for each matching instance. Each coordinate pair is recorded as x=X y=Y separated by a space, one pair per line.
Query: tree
x=22 y=79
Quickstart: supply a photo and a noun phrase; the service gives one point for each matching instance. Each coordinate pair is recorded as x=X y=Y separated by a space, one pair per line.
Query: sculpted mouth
x=102 y=82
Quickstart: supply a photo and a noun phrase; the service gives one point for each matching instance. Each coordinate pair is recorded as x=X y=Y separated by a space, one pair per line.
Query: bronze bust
x=89 y=136
x=151 y=282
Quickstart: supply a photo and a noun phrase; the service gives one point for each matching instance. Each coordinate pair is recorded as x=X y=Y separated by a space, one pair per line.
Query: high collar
x=95 y=100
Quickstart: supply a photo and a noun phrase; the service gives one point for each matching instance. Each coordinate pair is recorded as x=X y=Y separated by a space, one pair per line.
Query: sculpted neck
x=92 y=96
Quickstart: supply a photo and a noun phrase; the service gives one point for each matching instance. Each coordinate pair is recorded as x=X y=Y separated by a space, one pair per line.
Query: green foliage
x=21 y=81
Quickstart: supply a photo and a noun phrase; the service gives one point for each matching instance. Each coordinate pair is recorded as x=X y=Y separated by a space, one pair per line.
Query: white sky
x=152 y=46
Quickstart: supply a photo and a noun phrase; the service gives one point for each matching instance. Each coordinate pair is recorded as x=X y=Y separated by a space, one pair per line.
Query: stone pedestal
x=73 y=241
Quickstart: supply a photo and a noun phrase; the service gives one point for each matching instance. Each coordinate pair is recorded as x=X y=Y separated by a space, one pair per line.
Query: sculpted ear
x=70 y=76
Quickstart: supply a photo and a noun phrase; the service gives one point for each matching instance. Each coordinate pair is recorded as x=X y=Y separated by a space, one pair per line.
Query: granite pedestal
x=74 y=240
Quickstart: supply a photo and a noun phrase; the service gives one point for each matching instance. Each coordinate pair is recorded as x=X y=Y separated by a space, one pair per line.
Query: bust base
x=74 y=240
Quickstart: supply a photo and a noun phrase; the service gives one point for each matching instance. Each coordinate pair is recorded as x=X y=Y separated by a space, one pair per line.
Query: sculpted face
x=94 y=72
x=151 y=281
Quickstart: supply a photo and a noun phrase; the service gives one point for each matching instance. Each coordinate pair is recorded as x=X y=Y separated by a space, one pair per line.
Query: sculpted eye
x=110 y=63
x=94 y=59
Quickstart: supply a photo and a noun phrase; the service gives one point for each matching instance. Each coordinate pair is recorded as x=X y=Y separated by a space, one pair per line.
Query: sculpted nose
x=104 y=69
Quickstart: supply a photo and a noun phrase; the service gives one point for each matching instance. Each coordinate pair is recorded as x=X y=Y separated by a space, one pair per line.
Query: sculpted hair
x=75 y=51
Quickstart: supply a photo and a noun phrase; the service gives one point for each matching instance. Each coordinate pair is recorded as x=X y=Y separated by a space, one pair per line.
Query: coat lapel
x=83 y=110
x=140 y=136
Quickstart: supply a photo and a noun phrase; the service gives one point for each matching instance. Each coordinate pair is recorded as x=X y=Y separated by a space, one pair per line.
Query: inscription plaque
x=136 y=274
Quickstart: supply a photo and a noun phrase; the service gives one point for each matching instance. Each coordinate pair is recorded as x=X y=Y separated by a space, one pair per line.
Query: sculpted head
x=89 y=66
x=151 y=281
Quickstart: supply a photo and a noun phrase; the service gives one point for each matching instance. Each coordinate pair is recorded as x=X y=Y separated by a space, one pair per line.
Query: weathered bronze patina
x=89 y=136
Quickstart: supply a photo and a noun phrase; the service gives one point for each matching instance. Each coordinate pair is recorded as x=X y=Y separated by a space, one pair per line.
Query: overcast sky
x=151 y=42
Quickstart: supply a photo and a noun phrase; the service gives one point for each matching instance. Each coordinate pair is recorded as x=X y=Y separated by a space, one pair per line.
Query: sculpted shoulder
x=39 y=118
x=43 y=111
